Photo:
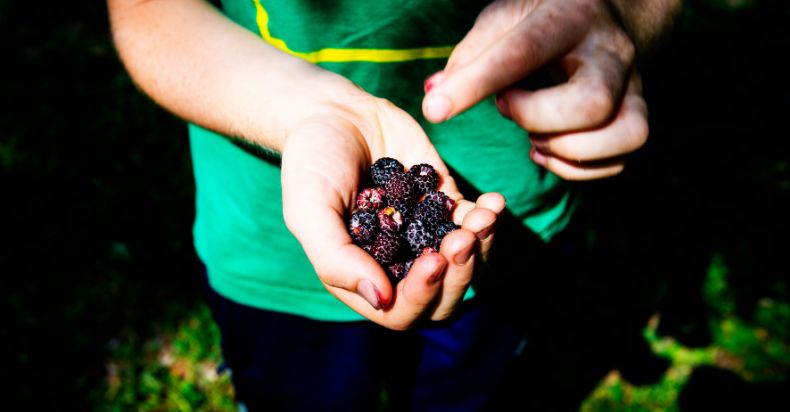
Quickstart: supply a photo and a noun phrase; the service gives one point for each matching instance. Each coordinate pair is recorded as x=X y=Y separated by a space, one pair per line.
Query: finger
x=338 y=262
x=509 y=59
x=569 y=170
x=494 y=202
x=461 y=209
x=626 y=133
x=482 y=223
x=322 y=231
x=415 y=294
x=458 y=248
x=491 y=24
x=589 y=98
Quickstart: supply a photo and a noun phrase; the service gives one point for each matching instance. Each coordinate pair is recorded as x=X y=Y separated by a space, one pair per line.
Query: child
x=326 y=88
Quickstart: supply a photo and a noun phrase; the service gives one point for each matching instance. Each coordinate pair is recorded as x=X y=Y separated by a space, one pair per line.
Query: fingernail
x=462 y=257
x=485 y=233
x=369 y=292
x=437 y=107
x=438 y=275
x=432 y=80
x=537 y=156
x=502 y=105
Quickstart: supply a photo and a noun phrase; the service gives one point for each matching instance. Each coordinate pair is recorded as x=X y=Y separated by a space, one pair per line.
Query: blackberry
x=390 y=219
x=371 y=199
x=400 y=188
x=441 y=198
x=425 y=177
x=386 y=247
x=363 y=227
x=443 y=230
x=383 y=169
x=420 y=234
x=430 y=211
x=399 y=270
x=404 y=208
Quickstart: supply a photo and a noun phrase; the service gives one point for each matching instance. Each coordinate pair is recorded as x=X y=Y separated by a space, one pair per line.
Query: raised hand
x=581 y=128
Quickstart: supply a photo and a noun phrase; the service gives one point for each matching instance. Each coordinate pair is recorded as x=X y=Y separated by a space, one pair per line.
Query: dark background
x=97 y=205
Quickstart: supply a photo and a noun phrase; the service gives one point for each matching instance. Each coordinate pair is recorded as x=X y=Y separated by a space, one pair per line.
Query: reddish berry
x=399 y=270
x=390 y=219
x=428 y=250
x=371 y=199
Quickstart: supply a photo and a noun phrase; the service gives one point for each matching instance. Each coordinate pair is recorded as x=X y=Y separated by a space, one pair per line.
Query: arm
x=583 y=127
x=206 y=69
x=201 y=66
x=646 y=21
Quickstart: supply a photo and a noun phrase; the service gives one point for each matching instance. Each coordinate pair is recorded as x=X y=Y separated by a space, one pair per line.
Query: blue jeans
x=285 y=362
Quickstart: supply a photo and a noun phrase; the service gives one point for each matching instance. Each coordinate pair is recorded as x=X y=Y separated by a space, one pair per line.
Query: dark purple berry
x=383 y=169
x=390 y=219
x=425 y=177
x=406 y=210
x=400 y=188
x=443 y=230
x=441 y=198
x=363 y=227
x=386 y=247
x=399 y=270
x=371 y=199
x=430 y=211
x=420 y=234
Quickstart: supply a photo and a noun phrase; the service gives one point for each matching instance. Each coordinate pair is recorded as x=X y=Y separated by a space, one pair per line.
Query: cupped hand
x=324 y=161
x=580 y=129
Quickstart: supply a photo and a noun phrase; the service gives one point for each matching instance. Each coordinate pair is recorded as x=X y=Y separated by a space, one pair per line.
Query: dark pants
x=286 y=362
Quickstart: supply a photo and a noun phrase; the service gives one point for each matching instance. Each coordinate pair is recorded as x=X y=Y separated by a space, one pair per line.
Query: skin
x=206 y=69
x=583 y=127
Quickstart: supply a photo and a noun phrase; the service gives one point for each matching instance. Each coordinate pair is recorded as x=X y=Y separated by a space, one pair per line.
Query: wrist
x=645 y=21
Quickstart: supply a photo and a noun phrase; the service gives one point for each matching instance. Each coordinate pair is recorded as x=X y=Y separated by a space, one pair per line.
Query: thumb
x=530 y=44
x=339 y=263
x=350 y=268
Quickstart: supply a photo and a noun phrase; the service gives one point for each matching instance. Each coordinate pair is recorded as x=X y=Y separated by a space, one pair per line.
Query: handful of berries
x=402 y=217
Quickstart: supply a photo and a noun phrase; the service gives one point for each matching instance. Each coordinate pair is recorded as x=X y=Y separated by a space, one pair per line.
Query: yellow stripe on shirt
x=348 y=55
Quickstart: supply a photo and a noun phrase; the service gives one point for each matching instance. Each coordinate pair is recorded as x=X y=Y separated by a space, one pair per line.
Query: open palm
x=324 y=162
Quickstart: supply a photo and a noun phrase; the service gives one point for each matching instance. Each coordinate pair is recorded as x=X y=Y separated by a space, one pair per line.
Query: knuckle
x=599 y=102
x=400 y=325
x=626 y=50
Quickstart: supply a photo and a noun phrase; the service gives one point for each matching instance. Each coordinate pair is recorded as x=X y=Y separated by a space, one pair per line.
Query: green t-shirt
x=388 y=48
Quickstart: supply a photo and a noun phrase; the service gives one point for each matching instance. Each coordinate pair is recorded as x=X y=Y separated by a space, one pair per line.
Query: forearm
x=646 y=20
x=201 y=66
